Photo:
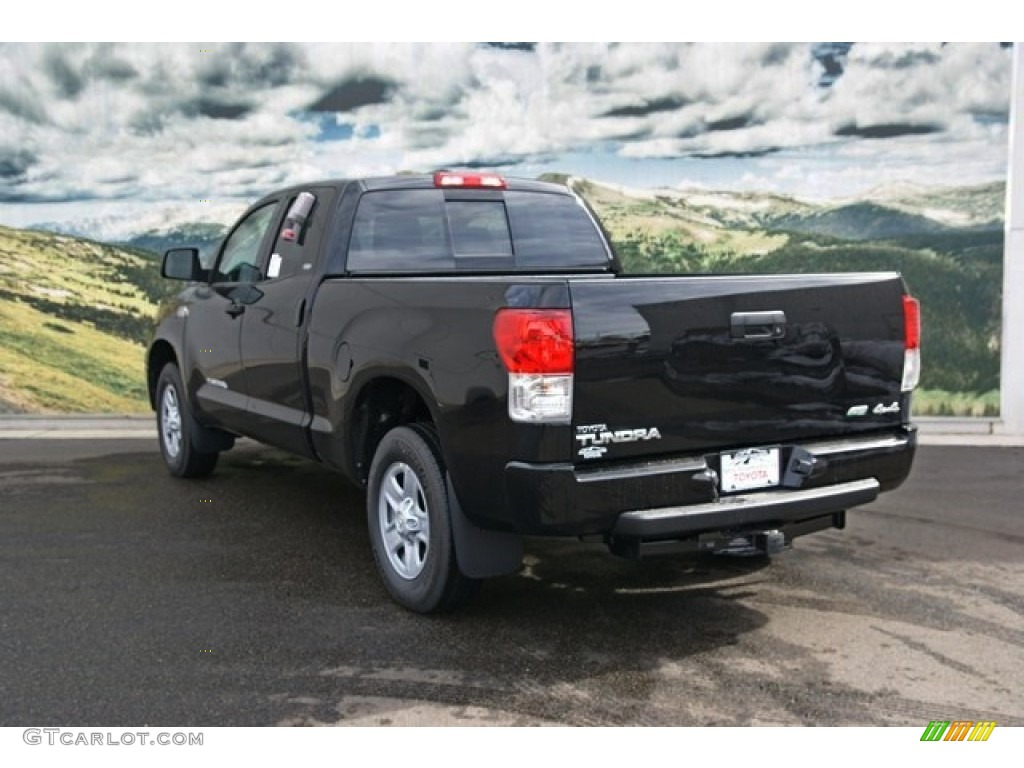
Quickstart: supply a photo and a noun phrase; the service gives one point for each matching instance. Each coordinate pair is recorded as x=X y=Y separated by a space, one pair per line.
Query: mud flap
x=482 y=554
x=207 y=440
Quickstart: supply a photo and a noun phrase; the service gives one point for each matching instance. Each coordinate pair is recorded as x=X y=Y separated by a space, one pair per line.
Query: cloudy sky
x=90 y=129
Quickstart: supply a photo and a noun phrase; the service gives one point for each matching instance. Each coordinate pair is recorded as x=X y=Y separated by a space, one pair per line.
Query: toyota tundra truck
x=465 y=347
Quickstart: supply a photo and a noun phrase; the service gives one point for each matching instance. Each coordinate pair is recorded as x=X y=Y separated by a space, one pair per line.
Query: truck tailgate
x=673 y=364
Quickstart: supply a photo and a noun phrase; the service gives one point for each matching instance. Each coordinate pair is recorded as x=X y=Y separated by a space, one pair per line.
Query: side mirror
x=182 y=264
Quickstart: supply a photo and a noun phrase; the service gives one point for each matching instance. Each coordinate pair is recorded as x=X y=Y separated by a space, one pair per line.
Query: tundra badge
x=594 y=438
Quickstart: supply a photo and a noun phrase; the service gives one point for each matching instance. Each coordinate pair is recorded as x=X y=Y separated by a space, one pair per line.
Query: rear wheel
x=178 y=430
x=409 y=519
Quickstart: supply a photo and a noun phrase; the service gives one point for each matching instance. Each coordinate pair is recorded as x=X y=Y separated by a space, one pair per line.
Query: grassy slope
x=73 y=319
x=74 y=315
x=956 y=273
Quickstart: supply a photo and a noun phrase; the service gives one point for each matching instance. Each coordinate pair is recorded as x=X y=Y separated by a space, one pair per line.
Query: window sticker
x=275 y=265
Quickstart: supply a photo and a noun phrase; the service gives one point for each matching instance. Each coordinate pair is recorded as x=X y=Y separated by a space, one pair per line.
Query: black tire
x=177 y=430
x=406 y=494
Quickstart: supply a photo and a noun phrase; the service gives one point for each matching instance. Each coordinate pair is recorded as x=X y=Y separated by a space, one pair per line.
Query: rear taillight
x=537 y=349
x=911 y=343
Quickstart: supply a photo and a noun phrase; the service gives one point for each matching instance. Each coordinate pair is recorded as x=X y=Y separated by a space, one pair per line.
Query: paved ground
x=130 y=598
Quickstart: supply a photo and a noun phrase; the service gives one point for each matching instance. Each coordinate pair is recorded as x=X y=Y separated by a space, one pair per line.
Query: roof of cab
x=424 y=181
x=404 y=181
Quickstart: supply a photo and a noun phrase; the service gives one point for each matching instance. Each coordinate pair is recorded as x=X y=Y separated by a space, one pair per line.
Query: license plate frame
x=750 y=469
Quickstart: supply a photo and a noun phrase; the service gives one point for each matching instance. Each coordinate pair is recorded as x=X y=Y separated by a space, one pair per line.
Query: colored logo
x=958 y=730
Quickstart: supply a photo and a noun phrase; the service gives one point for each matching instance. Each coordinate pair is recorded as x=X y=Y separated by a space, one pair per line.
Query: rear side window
x=553 y=230
x=400 y=231
x=422 y=231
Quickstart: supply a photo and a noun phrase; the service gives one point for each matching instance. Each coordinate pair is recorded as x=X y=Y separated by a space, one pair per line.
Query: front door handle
x=235 y=309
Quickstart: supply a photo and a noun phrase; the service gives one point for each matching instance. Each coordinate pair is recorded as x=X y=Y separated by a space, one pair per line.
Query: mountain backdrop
x=75 y=313
x=712 y=157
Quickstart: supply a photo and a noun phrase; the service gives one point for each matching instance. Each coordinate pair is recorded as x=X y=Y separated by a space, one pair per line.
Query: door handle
x=757 y=325
x=235 y=309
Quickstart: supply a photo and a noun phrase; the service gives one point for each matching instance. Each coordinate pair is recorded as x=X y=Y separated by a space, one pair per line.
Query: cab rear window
x=422 y=230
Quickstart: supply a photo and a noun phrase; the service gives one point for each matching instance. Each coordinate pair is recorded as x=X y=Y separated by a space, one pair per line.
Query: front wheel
x=177 y=429
x=410 y=523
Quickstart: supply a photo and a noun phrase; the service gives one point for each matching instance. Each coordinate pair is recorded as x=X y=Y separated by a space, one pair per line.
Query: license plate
x=750 y=468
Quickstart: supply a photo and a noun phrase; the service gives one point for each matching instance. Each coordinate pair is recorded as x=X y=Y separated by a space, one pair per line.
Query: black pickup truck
x=464 y=346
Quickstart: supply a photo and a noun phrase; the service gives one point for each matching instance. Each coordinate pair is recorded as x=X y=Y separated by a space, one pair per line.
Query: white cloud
x=180 y=122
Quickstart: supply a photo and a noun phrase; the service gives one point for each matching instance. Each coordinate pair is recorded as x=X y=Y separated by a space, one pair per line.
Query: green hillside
x=75 y=314
x=74 y=318
x=956 y=272
x=859 y=221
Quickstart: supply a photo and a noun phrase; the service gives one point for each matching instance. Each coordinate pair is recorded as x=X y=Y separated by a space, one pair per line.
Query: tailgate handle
x=757 y=325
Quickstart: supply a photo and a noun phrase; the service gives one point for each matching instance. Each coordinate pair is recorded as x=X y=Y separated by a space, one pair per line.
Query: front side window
x=294 y=249
x=240 y=259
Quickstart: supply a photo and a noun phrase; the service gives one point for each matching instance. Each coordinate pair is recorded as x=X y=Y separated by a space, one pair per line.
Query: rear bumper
x=673 y=498
x=749 y=509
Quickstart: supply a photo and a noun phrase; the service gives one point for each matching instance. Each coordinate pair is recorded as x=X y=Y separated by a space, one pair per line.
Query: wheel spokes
x=394 y=494
x=170 y=413
x=404 y=521
x=392 y=540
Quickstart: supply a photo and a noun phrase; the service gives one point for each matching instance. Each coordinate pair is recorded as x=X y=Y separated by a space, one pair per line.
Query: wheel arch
x=381 y=403
x=160 y=354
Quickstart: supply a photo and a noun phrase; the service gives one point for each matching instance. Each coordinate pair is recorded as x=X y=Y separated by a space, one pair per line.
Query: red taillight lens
x=911 y=322
x=537 y=348
x=911 y=343
x=535 y=340
x=470 y=180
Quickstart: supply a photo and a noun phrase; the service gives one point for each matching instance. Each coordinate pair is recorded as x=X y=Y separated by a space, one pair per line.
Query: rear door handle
x=757 y=325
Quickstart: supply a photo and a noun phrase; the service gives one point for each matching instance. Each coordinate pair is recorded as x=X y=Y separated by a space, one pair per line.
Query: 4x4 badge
x=855 y=411
x=893 y=407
